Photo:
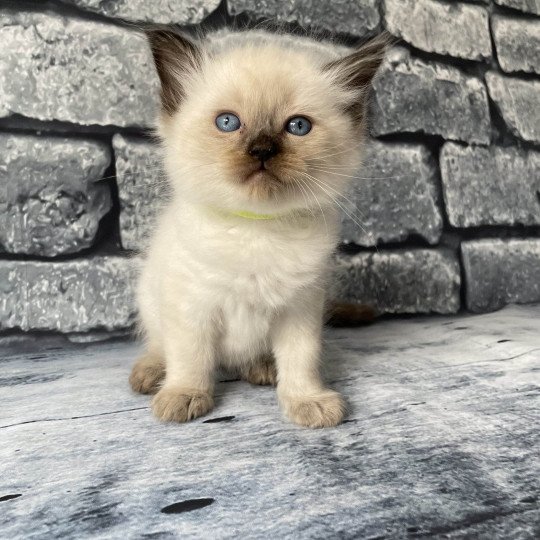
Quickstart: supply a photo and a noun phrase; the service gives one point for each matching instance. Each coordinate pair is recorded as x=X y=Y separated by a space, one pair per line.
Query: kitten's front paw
x=324 y=409
x=181 y=404
x=147 y=374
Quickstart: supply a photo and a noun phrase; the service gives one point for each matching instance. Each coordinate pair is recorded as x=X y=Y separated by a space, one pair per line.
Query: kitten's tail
x=349 y=314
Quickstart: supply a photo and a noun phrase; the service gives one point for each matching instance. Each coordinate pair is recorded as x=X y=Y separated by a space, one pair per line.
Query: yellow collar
x=246 y=214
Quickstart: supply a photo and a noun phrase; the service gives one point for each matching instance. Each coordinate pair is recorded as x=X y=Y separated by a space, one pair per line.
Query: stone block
x=416 y=97
x=459 y=30
x=84 y=72
x=499 y=272
x=141 y=188
x=517 y=42
x=181 y=12
x=490 y=186
x=50 y=200
x=527 y=6
x=394 y=196
x=518 y=102
x=356 y=18
x=69 y=296
x=400 y=281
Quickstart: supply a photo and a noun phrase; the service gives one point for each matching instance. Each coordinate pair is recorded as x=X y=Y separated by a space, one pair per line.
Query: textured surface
x=413 y=96
x=518 y=43
x=490 y=186
x=412 y=281
x=440 y=441
x=498 y=272
x=83 y=72
x=71 y=296
x=393 y=197
x=457 y=29
x=518 y=102
x=157 y=11
x=50 y=203
x=357 y=18
x=528 y=6
x=75 y=69
x=141 y=188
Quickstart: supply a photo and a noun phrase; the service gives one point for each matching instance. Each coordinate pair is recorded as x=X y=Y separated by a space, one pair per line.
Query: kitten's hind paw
x=324 y=409
x=262 y=372
x=147 y=374
x=174 y=404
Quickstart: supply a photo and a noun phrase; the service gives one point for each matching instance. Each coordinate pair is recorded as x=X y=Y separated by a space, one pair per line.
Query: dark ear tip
x=165 y=34
x=381 y=43
x=154 y=30
x=385 y=35
x=388 y=39
x=156 y=36
x=173 y=53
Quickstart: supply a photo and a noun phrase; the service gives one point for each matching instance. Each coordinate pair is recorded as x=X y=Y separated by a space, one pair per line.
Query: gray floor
x=442 y=441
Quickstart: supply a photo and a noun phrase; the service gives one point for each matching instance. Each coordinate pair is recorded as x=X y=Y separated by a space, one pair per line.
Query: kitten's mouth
x=261 y=182
x=261 y=174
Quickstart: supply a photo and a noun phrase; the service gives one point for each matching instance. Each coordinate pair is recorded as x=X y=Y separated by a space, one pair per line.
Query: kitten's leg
x=189 y=380
x=148 y=372
x=263 y=371
x=296 y=340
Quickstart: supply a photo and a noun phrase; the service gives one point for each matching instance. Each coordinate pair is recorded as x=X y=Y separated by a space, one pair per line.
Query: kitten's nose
x=263 y=148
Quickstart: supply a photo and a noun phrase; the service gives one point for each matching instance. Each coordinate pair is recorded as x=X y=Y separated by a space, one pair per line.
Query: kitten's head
x=261 y=122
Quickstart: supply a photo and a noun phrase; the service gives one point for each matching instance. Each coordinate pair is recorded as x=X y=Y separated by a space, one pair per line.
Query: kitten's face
x=262 y=129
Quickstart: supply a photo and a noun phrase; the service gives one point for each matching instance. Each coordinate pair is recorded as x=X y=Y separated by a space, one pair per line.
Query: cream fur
x=218 y=289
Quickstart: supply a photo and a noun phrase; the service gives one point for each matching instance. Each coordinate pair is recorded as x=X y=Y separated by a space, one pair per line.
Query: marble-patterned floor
x=442 y=441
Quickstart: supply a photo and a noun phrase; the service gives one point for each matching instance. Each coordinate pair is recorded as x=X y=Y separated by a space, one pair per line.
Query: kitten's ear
x=175 y=55
x=356 y=71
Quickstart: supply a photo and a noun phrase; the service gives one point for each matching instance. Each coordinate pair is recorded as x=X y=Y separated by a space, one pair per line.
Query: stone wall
x=444 y=216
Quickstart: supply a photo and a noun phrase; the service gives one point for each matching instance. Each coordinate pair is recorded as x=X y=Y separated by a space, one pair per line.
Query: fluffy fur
x=220 y=289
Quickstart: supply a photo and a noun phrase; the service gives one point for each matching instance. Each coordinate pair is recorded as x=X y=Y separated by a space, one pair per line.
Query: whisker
x=320 y=207
x=330 y=149
x=327 y=155
x=355 y=176
x=336 y=201
x=304 y=195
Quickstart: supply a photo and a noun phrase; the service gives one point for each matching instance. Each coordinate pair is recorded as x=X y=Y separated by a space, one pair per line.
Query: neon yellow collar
x=246 y=214
x=251 y=215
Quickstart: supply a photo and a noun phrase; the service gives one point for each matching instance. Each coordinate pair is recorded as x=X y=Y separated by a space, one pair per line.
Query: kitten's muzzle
x=263 y=148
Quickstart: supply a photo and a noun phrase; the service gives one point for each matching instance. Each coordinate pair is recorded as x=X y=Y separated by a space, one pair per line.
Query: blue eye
x=299 y=126
x=227 y=122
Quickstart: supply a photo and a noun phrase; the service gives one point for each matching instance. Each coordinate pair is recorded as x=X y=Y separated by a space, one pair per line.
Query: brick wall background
x=449 y=198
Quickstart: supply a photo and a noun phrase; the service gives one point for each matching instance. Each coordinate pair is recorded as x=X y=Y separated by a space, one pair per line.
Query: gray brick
x=518 y=102
x=500 y=272
x=415 y=281
x=141 y=188
x=82 y=71
x=357 y=18
x=458 y=30
x=50 y=203
x=490 y=186
x=413 y=96
x=74 y=296
x=527 y=6
x=518 y=43
x=394 y=196
x=157 y=11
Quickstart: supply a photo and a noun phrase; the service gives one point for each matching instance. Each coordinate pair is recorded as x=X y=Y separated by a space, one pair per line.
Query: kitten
x=260 y=133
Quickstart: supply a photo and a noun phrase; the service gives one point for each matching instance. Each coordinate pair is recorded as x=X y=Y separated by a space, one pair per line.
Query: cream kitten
x=260 y=133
